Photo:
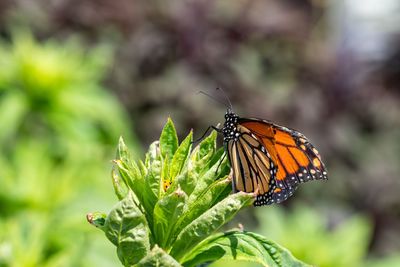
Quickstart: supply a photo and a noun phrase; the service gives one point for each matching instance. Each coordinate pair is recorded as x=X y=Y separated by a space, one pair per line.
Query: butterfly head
x=229 y=130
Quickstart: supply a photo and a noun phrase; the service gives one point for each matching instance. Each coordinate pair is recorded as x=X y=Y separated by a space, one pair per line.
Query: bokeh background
x=77 y=74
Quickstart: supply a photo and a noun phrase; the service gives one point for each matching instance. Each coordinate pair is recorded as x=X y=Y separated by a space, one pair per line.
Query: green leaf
x=158 y=257
x=120 y=190
x=166 y=212
x=126 y=228
x=205 y=180
x=218 y=155
x=154 y=180
x=128 y=171
x=226 y=192
x=210 y=221
x=155 y=169
x=208 y=145
x=136 y=182
x=123 y=152
x=180 y=157
x=142 y=169
x=152 y=154
x=168 y=140
x=203 y=203
x=202 y=155
x=165 y=178
x=185 y=181
x=143 y=180
x=239 y=245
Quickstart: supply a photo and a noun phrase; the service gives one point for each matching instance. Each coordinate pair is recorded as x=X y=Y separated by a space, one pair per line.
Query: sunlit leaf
x=209 y=222
x=168 y=140
x=239 y=245
x=126 y=227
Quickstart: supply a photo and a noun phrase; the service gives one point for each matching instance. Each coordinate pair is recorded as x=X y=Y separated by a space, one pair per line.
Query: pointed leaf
x=180 y=157
x=210 y=221
x=123 y=152
x=120 y=188
x=154 y=183
x=142 y=168
x=155 y=169
x=153 y=153
x=128 y=172
x=146 y=188
x=132 y=177
x=239 y=245
x=168 y=140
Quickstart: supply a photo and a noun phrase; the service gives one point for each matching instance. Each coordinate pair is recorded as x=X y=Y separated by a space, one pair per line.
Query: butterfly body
x=268 y=159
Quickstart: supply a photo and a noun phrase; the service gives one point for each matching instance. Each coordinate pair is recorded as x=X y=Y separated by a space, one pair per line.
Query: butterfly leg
x=206 y=132
x=219 y=164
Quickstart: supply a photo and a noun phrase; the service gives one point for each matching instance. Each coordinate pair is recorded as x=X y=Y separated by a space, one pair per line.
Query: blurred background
x=77 y=74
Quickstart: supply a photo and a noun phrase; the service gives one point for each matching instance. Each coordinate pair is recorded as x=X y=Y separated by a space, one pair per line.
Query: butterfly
x=268 y=159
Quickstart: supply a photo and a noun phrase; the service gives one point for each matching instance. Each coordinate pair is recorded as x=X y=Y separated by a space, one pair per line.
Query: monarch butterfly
x=268 y=159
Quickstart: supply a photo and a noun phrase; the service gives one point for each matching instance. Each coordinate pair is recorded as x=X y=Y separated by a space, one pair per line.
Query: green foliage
x=58 y=126
x=305 y=233
x=172 y=205
x=53 y=92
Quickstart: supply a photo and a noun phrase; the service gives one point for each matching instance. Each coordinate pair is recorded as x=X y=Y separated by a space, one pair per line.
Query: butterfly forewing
x=253 y=168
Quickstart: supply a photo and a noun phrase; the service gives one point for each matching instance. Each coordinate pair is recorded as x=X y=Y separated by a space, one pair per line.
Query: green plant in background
x=172 y=203
x=58 y=126
x=54 y=92
x=305 y=233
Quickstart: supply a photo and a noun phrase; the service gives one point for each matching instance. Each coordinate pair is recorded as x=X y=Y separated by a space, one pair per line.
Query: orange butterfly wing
x=297 y=159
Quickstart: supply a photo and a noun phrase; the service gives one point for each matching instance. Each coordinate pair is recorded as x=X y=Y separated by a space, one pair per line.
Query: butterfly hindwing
x=300 y=159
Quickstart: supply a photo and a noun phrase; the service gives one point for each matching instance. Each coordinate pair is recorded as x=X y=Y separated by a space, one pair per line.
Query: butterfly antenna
x=213 y=98
x=226 y=97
